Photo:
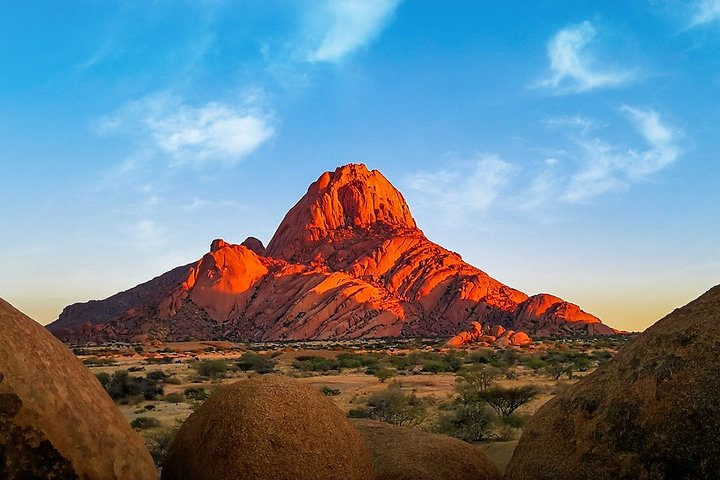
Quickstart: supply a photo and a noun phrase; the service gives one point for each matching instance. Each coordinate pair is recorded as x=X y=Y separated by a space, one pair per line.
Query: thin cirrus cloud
x=705 y=11
x=607 y=167
x=467 y=187
x=572 y=64
x=347 y=25
x=191 y=135
x=589 y=168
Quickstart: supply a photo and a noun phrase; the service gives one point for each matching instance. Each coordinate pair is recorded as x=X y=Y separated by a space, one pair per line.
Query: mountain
x=347 y=261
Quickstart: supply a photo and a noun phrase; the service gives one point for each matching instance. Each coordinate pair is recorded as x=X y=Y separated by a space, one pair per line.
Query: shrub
x=174 y=397
x=477 y=378
x=434 y=366
x=259 y=363
x=159 y=444
x=122 y=386
x=314 y=364
x=359 y=412
x=143 y=423
x=394 y=406
x=383 y=374
x=534 y=362
x=471 y=422
x=195 y=393
x=330 y=391
x=103 y=378
x=211 y=368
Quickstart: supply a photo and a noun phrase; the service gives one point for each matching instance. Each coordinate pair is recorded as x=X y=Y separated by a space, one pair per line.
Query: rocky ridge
x=347 y=261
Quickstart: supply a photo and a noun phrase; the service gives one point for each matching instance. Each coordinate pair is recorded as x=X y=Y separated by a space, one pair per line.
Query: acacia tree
x=506 y=400
x=478 y=378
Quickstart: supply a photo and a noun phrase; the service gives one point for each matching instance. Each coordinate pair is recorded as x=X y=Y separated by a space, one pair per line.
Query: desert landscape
x=360 y=240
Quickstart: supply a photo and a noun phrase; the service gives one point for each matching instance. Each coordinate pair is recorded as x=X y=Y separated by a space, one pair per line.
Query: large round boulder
x=401 y=453
x=268 y=427
x=652 y=412
x=56 y=421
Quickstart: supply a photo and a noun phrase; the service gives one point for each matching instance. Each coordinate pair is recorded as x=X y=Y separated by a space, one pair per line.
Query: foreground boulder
x=56 y=421
x=652 y=412
x=407 y=454
x=268 y=427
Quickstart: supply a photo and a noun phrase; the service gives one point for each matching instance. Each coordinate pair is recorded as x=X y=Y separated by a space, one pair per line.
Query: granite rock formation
x=401 y=453
x=347 y=261
x=56 y=421
x=652 y=412
x=269 y=427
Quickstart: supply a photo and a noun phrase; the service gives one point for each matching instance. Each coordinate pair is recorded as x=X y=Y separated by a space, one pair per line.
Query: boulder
x=56 y=421
x=652 y=412
x=401 y=453
x=268 y=427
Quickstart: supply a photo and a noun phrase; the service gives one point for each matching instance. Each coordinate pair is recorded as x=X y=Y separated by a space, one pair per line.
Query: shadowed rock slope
x=401 y=453
x=347 y=261
x=56 y=421
x=269 y=427
x=652 y=412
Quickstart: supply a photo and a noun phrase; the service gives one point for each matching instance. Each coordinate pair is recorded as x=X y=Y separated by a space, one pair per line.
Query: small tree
x=212 y=368
x=469 y=421
x=478 y=378
x=393 y=406
x=506 y=400
x=384 y=373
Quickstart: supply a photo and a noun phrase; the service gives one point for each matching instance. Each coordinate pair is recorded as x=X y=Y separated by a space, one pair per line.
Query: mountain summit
x=347 y=261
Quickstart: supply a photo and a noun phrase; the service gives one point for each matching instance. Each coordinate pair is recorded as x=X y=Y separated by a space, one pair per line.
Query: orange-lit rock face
x=490 y=335
x=550 y=315
x=350 y=197
x=347 y=261
x=222 y=276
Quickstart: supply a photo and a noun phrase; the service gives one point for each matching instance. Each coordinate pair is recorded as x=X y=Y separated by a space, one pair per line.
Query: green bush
x=196 y=393
x=174 y=397
x=259 y=363
x=394 y=406
x=383 y=374
x=212 y=368
x=159 y=444
x=330 y=391
x=143 y=423
x=314 y=364
x=471 y=422
x=122 y=386
x=359 y=412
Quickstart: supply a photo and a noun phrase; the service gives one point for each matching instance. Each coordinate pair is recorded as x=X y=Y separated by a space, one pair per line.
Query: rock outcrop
x=347 y=261
x=268 y=427
x=652 y=412
x=56 y=421
x=409 y=454
x=489 y=335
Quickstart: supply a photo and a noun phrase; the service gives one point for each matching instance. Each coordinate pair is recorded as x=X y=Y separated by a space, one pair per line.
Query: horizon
x=576 y=155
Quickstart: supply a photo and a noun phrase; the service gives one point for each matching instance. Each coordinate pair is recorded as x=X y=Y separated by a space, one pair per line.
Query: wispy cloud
x=348 y=25
x=572 y=64
x=190 y=134
x=467 y=187
x=607 y=167
x=705 y=11
x=584 y=169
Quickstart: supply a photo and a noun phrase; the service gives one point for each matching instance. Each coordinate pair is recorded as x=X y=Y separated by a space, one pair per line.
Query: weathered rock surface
x=408 y=454
x=268 y=427
x=348 y=261
x=490 y=335
x=652 y=412
x=56 y=421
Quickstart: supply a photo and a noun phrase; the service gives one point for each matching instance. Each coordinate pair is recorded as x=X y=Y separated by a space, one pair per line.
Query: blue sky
x=568 y=147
